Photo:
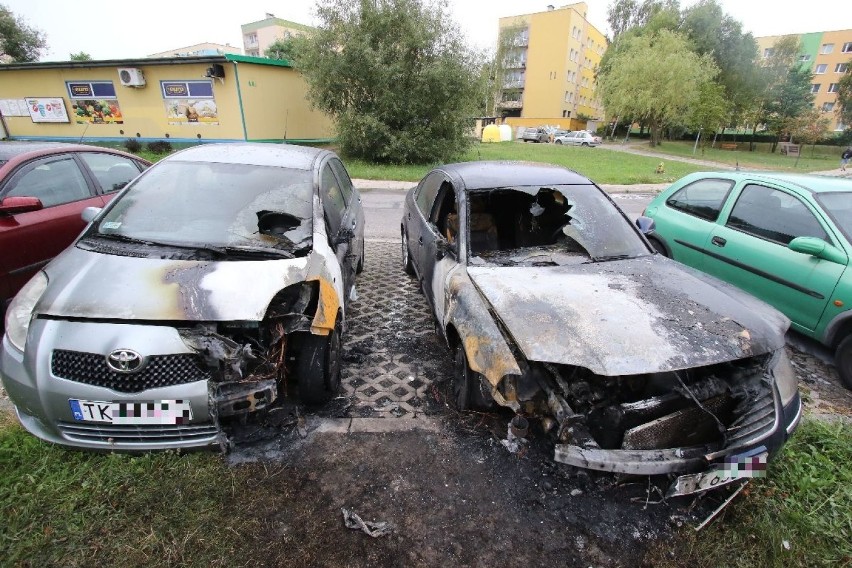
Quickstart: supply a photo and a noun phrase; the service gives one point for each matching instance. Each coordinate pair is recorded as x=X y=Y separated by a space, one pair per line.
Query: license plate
x=139 y=413
x=734 y=468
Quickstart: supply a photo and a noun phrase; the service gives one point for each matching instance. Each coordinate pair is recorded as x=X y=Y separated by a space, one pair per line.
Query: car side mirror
x=13 y=205
x=444 y=247
x=89 y=213
x=645 y=224
x=818 y=248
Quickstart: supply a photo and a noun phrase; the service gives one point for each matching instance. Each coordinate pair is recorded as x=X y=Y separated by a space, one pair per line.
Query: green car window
x=773 y=215
x=702 y=198
x=839 y=207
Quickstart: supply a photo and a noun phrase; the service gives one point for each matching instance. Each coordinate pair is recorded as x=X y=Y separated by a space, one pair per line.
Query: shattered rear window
x=547 y=225
x=216 y=204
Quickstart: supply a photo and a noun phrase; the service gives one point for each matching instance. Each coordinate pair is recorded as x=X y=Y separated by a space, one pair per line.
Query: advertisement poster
x=14 y=107
x=189 y=102
x=192 y=111
x=94 y=102
x=96 y=111
x=47 y=109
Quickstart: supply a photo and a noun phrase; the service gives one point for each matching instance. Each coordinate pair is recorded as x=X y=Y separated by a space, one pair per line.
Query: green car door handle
x=718 y=241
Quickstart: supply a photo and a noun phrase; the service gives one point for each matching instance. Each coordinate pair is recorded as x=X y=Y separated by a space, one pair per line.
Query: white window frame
x=815 y=87
x=832 y=87
x=827 y=48
x=822 y=66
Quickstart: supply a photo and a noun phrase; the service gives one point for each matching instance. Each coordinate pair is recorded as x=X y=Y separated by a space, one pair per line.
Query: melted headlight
x=785 y=377
x=21 y=310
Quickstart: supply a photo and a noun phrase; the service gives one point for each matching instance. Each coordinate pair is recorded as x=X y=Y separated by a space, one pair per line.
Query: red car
x=44 y=188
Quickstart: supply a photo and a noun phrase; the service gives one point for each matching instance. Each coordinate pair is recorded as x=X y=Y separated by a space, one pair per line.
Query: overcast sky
x=121 y=29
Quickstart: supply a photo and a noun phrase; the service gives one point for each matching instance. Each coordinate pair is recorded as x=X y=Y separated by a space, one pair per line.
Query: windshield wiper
x=123 y=238
x=611 y=257
x=248 y=252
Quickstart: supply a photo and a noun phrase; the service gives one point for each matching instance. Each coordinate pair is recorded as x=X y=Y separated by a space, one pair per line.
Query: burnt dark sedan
x=555 y=306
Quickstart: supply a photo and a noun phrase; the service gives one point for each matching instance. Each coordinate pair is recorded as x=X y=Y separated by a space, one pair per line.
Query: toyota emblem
x=124 y=361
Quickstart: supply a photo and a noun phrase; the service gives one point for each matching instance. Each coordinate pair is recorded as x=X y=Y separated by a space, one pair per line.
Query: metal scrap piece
x=373 y=528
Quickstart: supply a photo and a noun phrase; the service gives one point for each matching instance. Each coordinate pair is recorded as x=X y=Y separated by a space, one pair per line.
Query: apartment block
x=828 y=56
x=258 y=36
x=199 y=50
x=550 y=67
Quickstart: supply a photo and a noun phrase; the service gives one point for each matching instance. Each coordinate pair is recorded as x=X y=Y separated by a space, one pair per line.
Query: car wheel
x=559 y=142
x=585 y=144
x=318 y=367
x=658 y=246
x=406 y=256
x=360 y=268
x=843 y=361
x=467 y=385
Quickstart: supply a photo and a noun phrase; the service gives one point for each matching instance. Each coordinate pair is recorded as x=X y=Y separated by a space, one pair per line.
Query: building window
x=847 y=47
x=840 y=126
x=827 y=48
x=841 y=67
x=832 y=88
x=820 y=69
x=250 y=39
x=805 y=57
x=827 y=107
x=815 y=88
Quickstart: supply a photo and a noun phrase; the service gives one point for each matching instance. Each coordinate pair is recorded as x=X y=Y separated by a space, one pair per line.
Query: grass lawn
x=811 y=160
x=806 y=502
x=598 y=165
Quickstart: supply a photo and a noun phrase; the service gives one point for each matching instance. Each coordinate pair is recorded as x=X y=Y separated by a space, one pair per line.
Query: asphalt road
x=383 y=210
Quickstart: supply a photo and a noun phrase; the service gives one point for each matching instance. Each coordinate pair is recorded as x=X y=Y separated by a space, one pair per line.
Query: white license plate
x=734 y=468
x=140 y=413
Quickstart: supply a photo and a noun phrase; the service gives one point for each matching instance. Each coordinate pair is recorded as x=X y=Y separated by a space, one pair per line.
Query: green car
x=785 y=238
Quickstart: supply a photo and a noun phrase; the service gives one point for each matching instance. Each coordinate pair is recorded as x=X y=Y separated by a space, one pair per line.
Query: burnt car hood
x=626 y=317
x=87 y=284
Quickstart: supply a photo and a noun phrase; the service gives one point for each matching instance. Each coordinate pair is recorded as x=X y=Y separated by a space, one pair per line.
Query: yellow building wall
x=825 y=80
x=143 y=109
x=564 y=123
x=275 y=105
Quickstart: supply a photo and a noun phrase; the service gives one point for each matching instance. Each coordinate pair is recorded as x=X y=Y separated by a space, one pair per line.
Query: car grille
x=160 y=371
x=757 y=417
x=129 y=434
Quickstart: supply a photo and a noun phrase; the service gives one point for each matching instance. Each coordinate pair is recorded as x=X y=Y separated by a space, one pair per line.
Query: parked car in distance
x=554 y=306
x=579 y=138
x=535 y=134
x=43 y=189
x=215 y=283
x=785 y=238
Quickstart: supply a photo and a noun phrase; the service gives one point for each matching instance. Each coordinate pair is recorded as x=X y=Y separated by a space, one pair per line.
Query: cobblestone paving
x=391 y=355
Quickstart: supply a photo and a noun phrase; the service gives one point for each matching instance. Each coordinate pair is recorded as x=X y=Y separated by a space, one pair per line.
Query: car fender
x=325 y=269
x=487 y=350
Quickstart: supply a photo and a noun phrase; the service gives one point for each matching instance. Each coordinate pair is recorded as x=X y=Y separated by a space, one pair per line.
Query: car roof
x=9 y=150
x=487 y=175
x=252 y=153
x=809 y=183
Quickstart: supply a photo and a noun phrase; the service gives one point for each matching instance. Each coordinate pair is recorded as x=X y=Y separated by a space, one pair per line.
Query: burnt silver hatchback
x=211 y=287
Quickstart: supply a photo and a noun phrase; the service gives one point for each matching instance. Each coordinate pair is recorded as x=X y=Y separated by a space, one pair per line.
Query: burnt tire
x=843 y=361
x=406 y=256
x=318 y=367
x=467 y=385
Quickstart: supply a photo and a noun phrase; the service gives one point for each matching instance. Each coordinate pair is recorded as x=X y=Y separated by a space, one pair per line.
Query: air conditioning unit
x=131 y=77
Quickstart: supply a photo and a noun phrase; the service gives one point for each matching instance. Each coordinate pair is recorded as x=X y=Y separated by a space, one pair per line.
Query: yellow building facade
x=550 y=68
x=827 y=55
x=186 y=99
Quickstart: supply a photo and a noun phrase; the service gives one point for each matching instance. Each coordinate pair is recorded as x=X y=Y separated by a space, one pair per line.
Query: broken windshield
x=217 y=205
x=547 y=225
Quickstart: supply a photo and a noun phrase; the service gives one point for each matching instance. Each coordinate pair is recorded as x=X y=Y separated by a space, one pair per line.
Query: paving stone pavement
x=392 y=355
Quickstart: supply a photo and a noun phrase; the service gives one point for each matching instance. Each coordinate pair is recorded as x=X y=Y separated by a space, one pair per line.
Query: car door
x=442 y=225
x=334 y=209
x=110 y=171
x=687 y=217
x=750 y=251
x=30 y=240
x=418 y=218
x=354 y=217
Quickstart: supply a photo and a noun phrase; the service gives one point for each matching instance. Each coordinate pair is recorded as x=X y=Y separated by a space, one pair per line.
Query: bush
x=159 y=147
x=132 y=145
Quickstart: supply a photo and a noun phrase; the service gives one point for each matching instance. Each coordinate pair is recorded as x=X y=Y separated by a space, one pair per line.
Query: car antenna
x=84 y=133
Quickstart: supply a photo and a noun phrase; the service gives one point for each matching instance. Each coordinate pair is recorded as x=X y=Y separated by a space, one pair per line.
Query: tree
x=396 y=76
x=710 y=111
x=809 y=127
x=787 y=100
x=844 y=97
x=18 y=41
x=80 y=56
x=656 y=78
x=282 y=48
x=624 y=15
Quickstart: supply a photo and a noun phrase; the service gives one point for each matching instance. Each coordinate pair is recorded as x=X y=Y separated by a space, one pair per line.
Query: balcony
x=511 y=104
x=514 y=84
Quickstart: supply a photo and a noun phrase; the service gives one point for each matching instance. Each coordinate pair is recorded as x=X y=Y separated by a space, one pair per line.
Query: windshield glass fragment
x=542 y=226
x=215 y=205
